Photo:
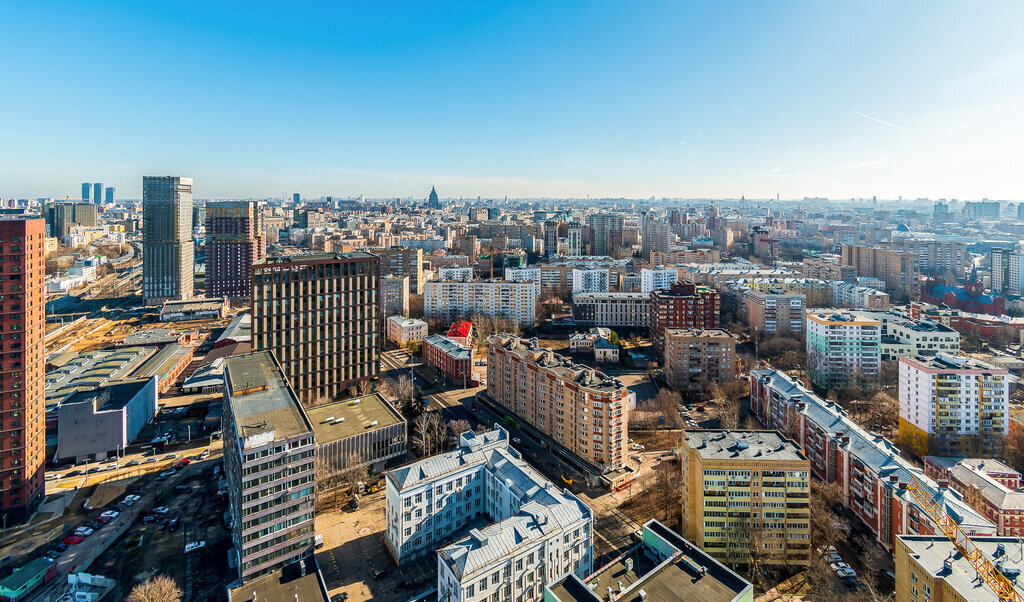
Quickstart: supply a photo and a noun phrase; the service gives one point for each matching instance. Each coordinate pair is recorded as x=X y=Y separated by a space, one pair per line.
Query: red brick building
x=682 y=305
x=988 y=486
x=461 y=332
x=453 y=359
x=234 y=242
x=23 y=435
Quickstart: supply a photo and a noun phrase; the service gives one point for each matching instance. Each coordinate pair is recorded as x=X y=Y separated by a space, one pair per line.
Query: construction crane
x=986 y=570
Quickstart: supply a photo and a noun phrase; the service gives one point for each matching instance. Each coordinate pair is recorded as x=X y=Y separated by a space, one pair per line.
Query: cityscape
x=581 y=367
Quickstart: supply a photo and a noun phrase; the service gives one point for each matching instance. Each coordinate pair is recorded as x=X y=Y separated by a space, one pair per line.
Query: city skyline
x=525 y=100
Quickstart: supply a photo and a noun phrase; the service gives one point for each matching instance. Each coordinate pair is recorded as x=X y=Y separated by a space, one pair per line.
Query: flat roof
x=163 y=361
x=193 y=304
x=152 y=336
x=932 y=551
x=120 y=393
x=261 y=398
x=358 y=413
x=286 y=259
x=284 y=585
x=743 y=445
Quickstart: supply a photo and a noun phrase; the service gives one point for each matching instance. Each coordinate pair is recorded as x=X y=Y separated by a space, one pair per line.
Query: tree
x=459 y=426
x=365 y=387
x=666 y=403
x=158 y=589
x=430 y=432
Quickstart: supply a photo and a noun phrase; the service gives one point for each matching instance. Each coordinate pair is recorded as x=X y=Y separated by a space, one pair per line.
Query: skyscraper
x=97 y=193
x=21 y=368
x=167 y=269
x=109 y=199
x=433 y=202
x=86 y=189
x=607 y=228
x=574 y=236
x=62 y=217
x=319 y=315
x=234 y=242
x=296 y=199
x=656 y=236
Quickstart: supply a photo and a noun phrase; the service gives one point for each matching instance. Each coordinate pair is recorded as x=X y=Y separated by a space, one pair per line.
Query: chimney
x=943 y=484
x=893 y=478
x=903 y=486
x=846 y=439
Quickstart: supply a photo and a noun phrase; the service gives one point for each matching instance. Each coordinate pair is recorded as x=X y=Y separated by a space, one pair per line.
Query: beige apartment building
x=695 y=357
x=402 y=262
x=746 y=491
x=900 y=271
x=581 y=409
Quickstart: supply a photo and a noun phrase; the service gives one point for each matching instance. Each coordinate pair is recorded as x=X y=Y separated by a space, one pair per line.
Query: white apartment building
x=538 y=535
x=402 y=331
x=394 y=295
x=959 y=400
x=1006 y=271
x=853 y=295
x=459 y=273
x=590 y=280
x=918 y=338
x=448 y=300
x=524 y=275
x=842 y=347
x=657 y=278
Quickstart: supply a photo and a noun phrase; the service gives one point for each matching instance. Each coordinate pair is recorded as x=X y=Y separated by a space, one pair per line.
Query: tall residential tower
x=234 y=242
x=167 y=269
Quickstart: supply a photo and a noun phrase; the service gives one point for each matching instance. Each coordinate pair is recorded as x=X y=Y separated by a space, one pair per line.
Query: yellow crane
x=978 y=559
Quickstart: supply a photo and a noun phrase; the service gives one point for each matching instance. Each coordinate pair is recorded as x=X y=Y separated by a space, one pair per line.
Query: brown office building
x=23 y=435
x=403 y=262
x=900 y=271
x=319 y=315
x=234 y=242
x=682 y=305
x=695 y=357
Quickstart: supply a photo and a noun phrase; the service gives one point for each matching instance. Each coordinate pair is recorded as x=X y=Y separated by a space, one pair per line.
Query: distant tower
x=433 y=202
x=97 y=193
x=295 y=198
x=167 y=251
x=110 y=195
x=86 y=188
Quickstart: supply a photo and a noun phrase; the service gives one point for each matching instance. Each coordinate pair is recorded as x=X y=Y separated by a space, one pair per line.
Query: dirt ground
x=657 y=440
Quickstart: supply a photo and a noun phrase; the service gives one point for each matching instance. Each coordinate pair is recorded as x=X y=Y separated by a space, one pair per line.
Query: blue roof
x=941 y=291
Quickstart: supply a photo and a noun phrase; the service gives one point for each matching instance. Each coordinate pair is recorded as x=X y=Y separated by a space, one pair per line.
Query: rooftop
x=152 y=336
x=297 y=581
x=289 y=259
x=163 y=361
x=406 y=322
x=351 y=417
x=449 y=347
x=193 y=305
x=88 y=371
x=932 y=551
x=262 y=400
x=559 y=365
x=700 y=333
x=113 y=396
x=947 y=363
x=240 y=329
x=743 y=445
x=612 y=295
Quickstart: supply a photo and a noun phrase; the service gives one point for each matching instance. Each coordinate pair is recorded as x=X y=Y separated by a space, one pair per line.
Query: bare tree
x=431 y=431
x=459 y=426
x=666 y=404
x=313 y=399
x=157 y=589
x=352 y=390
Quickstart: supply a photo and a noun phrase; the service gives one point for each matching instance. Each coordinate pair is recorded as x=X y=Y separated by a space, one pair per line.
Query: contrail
x=866 y=116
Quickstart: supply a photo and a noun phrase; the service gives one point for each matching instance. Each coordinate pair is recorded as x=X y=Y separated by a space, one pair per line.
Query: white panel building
x=657 y=278
x=450 y=300
x=590 y=280
x=462 y=274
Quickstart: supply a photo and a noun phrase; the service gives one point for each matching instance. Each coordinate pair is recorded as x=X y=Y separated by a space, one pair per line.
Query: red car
x=103 y=519
x=185 y=462
x=73 y=539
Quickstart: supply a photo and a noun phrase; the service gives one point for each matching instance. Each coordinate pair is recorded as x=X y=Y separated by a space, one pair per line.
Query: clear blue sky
x=635 y=99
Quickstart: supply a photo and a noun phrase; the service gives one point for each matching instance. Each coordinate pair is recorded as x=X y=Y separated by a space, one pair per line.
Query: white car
x=111 y=514
x=83 y=531
x=161 y=510
x=637 y=447
x=195 y=545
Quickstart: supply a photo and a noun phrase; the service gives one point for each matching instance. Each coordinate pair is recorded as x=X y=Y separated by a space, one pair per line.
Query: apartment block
x=849 y=294
x=319 y=315
x=607 y=232
x=900 y=271
x=656 y=236
x=772 y=313
x=952 y=405
x=401 y=330
x=530 y=533
x=686 y=256
x=930 y=568
x=682 y=305
x=403 y=262
x=917 y=338
x=452 y=359
x=935 y=257
x=696 y=358
x=582 y=410
x=657 y=278
x=167 y=247
x=525 y=275
x=234 y=243
x=268 y=464
x=869 y=469
x=744 y=489
x=629 y=310
x=828 y=268
x=21 y=369
x=590 y=280
x=394 y=295
x=62 y=218
x=452 y=300
x=989 y=486
x=842 y=348
x=557 y=274
x=461 y=274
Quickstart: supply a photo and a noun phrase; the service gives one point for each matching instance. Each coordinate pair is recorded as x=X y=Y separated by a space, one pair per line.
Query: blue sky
x=714 y=99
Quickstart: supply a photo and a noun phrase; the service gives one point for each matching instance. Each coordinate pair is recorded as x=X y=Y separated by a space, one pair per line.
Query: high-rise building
x=267 y=434
x=167 y=251
x=590 y=280
x=86 y=190
x=234 y=243
x=607 y=229
x=551 y=237
x=900 y=271
x=775 y=313
x=843 y=348
x=574 y=238
x=656 y=236
x=695 y=358
x=97 y=193
x=61 y=218
x=1006 y=271
x=403 y=262
x=394 y=296
x=319 y=314
x=21 y=368
x=935 y=257
x=433 y=201
x=296 y=199
x=661 y=277
x=629 y=310
x=745 y=494
x=110 y=195
x=449 y=300
x=953 y=405
x=582 y=410
x=682 y=305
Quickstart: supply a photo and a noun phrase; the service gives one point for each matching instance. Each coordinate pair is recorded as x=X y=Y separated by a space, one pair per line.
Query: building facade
x=607 y=232
x=593 y=280
x=269 y=454
x=900 y=271
x=682 y=305
x=167 y=248
x=362 y=432
x=989 y=486
x=696 y=358
x=744 y=490
x=92 y=425
x=629 y=310
x=843 y=348
x=449 y=301
x=319 y=315
x=581 y=409
x=452 y=359
x=21 y=368
x=394 y=295
x=849 y=294
x=401 y=330
x=234 y=243
x=403 y=262
x=770 y=314
x=952 y=405
x=657 y=278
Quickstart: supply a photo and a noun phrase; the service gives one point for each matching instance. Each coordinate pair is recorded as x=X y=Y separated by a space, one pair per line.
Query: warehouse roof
x=351 y=417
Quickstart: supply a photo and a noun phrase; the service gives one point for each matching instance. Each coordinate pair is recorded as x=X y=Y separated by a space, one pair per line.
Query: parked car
x=149 y=460
x=73 y=539
x=205 y=454
x=133 y=463
x=168 y=473
x=844 y=573
x=183 y=488
x=94 y=525
x=161 y=510
x=379 y=574
x=52 y=476
x=184 y=462
x=83 y=531
x=832 y=558
x=173 y=525
x=148 y=518
x=110 y=459
x=72 y=473
x=60 y=547
x=170 y=456
x=93 y=470
x=110 y=467
x=637 y=447
x=53 y=554
x=195 y=545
